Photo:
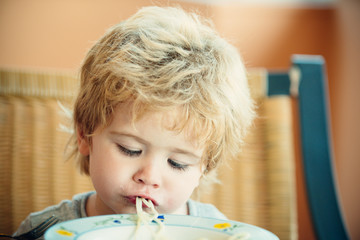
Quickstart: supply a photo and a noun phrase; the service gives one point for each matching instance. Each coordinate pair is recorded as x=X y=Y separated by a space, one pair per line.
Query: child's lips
x=132 y=199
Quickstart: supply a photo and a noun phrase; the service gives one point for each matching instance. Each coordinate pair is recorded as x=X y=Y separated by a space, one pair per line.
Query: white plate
x=176 y=227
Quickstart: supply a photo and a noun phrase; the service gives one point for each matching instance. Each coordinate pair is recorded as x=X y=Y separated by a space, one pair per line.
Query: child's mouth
x=132 y=199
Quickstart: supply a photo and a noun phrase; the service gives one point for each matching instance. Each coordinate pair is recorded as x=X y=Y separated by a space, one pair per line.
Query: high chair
x=260 y=187
x=289 y=147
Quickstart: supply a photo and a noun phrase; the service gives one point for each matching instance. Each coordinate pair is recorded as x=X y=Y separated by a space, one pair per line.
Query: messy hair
x=161 y=59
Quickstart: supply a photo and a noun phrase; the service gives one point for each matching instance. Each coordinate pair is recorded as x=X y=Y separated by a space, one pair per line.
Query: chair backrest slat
x=317 y=154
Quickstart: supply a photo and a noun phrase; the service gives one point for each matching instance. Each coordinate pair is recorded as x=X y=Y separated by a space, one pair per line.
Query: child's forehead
x=169 y=117
x=172 y=118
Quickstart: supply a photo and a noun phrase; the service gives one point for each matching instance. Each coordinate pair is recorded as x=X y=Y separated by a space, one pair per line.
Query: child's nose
x=148 y=174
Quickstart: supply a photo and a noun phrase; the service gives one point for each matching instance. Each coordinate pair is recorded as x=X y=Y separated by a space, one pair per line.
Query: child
x=163 y=101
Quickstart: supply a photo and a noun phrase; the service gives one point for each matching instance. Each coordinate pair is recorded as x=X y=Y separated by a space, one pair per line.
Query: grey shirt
x=75 y=208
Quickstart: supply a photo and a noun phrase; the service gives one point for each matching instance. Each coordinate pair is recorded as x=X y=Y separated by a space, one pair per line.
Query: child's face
x=148 y=161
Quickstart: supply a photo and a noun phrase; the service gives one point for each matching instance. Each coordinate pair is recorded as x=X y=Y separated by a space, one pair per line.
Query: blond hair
x=161 y=58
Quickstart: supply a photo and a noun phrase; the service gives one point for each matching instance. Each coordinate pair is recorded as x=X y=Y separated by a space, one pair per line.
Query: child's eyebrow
x=129 y=135
x=185 y=152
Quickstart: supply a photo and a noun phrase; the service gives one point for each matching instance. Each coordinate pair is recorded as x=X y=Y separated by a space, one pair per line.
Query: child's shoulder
x=65 y=210
x=204 y=210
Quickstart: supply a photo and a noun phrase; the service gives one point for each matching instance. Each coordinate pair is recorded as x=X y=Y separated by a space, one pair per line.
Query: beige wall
x=346 y=110
x=56 y=34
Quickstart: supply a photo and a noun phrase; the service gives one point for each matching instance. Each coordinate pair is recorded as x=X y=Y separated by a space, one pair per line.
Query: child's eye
x=177 y=165
x=129 y=152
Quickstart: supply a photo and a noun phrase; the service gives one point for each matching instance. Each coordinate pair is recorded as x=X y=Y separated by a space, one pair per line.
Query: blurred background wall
x=42 y=34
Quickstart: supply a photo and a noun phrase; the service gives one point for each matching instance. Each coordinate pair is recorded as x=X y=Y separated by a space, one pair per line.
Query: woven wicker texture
x=6 y=126
x=258 y=187
x=34 y=173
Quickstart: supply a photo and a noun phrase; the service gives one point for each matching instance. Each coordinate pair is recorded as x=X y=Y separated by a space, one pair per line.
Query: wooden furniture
x=317 y=155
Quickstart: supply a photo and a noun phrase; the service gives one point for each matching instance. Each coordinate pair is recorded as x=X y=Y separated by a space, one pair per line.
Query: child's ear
x=83 y=143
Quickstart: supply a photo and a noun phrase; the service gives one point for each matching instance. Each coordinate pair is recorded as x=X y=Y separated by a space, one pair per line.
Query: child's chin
x=127 y=210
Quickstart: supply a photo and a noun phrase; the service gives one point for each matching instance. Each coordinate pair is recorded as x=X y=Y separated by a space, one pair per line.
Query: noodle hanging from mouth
x=145 y=218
